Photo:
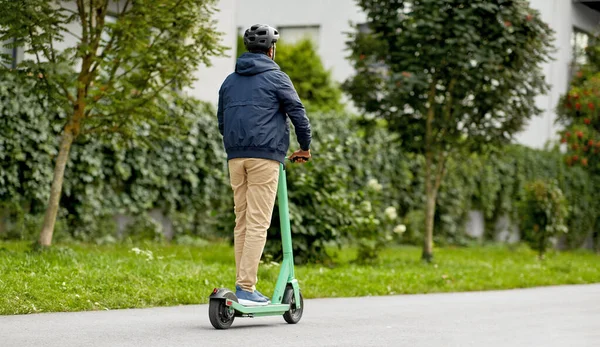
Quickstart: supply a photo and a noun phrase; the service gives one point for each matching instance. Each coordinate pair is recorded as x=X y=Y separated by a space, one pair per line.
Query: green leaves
x=27 y=140
x=449 y=76
x=123 y=74
x=356 y=162
x=479 y=60
x=578 y=112
x=184 y=175
x=144 y=59
x=352 y=167
x=312 y=82
x=543 y=213
x=131 y=64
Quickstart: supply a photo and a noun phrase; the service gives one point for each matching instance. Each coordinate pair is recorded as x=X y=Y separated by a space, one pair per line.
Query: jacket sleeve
x=291 y=104
x=220 y=112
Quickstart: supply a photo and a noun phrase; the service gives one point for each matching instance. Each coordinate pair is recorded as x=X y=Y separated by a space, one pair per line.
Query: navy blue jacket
x=254 y=105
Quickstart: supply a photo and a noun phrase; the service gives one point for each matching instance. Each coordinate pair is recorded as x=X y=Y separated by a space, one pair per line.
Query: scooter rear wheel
x=221 y=316
x=294 y=315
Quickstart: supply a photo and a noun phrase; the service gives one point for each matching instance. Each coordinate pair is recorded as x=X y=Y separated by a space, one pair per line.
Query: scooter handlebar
x=295 y=159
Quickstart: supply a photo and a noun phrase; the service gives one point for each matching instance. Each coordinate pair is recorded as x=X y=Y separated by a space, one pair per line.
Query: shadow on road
x=238 y=327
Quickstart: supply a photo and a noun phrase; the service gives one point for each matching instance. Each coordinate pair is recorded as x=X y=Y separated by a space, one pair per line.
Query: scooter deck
x=272 y=309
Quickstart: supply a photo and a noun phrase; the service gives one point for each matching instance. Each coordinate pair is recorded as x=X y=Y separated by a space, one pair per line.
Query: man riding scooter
x=254 y=105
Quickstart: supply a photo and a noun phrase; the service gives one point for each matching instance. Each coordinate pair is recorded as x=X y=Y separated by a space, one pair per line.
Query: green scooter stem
x=286 y=273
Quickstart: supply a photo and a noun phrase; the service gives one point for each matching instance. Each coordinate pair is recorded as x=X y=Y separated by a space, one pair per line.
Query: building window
x=293 y=34
x=363 y=28
x=579 y=41
x=11 y=56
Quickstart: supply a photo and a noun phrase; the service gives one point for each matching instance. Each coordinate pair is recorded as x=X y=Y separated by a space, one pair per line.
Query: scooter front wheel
x=221 y=316
x=294 y=315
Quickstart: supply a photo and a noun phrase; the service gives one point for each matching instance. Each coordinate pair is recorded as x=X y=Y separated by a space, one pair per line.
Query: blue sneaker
x=238 y=288
x=250 y=299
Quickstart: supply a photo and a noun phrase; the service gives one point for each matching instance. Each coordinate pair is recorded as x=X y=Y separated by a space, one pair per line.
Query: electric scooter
x=286 y=300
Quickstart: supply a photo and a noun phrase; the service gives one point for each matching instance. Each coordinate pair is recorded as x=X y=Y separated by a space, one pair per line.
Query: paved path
x=551 y=316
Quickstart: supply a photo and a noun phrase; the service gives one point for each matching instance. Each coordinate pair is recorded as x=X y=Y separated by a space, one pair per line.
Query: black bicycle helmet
x=260 y=37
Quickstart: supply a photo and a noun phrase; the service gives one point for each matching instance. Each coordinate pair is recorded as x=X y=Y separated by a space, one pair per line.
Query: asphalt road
x=551 y=316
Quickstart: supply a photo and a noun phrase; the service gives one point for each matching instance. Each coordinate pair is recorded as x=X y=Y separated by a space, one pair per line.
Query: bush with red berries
x=579 y=113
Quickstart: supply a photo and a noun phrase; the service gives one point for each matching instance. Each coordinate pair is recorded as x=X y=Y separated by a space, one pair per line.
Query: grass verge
x=87 y=277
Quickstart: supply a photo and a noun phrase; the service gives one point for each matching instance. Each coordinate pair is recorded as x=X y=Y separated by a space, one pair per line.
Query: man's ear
x=272 y=51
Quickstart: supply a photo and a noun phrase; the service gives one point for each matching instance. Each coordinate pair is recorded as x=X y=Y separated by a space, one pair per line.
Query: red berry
x=563 y=140
x=590 y=142
x=591 y=105
x=579 y=134
x=584 y=161
x=575 y=158
x=575 y=146
x=507 y=24
x=362 y=57
x=587 y=121
x=578 y=106
x=568 y=134
x=529 y=17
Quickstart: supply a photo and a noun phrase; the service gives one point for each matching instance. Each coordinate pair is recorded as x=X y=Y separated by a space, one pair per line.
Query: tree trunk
x=55 y=191
x=430 y=194
x=429 y=185
x=542 y=244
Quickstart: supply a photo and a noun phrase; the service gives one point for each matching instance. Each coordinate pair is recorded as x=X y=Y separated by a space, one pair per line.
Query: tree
x=543 y=213
x=578 y=113
x=312 y=81
x=123 y=73
x=450 y=76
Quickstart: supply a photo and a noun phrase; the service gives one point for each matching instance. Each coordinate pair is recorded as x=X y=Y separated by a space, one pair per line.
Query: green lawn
x=88 y=277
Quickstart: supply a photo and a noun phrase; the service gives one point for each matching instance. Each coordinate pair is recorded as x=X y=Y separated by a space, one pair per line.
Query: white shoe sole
x=252 y=303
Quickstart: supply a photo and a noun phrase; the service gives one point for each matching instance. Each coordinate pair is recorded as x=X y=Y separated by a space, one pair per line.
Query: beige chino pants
x=254 y=184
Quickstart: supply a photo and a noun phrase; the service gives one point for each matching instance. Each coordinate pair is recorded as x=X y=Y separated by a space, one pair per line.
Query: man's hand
x=300 y=156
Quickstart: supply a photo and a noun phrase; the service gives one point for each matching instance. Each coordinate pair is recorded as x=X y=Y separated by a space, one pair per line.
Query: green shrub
x=312 y=81
x=543 y=214
x=184 y=176
x=342 y=194
x=314 y=84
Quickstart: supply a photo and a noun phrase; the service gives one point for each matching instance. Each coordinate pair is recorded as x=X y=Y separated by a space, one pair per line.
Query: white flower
x=374 y=184
x=391 y=213
x=400 y=229
x=148 y=254
x=366 y=206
